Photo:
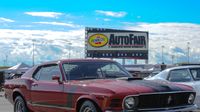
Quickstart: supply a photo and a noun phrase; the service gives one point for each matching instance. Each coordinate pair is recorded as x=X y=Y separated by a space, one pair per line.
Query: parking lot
x=6 y=106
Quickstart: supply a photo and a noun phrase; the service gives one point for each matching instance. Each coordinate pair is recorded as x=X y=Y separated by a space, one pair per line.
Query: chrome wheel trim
x=19 y=106
x=88 y=109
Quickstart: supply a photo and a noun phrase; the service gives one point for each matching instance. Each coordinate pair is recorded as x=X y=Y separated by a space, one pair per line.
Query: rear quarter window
x=195 y=73
x=162 y=75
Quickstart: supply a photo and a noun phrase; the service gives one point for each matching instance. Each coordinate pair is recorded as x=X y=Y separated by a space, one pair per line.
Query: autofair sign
x=111 y=43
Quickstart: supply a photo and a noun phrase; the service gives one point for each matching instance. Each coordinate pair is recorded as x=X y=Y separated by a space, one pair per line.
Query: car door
x=182 y=76
x=47 y=94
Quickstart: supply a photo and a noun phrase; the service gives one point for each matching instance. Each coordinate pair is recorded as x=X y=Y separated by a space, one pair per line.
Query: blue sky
x=172 y=23
x=84 y=11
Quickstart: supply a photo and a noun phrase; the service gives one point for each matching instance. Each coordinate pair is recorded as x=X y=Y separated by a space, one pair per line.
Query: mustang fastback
x=93 y=85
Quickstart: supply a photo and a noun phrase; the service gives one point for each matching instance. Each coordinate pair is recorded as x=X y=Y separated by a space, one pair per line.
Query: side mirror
x=57 y=78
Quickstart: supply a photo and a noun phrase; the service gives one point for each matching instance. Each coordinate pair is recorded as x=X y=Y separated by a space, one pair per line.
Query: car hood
x=131 y=86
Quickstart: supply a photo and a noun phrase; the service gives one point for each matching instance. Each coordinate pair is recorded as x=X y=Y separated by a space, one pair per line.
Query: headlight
x=191 y=98
x=130 y=102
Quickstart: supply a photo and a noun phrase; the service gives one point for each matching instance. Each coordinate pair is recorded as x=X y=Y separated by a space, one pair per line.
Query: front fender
x=99 y=100
x=15 y=92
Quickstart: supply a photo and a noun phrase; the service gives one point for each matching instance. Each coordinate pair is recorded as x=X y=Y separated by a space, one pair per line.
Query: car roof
x=184 y=67
x=76 y=60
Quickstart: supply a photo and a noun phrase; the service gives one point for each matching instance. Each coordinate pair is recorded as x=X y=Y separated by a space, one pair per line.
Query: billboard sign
x=111 y=43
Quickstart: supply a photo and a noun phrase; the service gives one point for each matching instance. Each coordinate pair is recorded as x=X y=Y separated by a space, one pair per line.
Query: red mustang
x=89 y=85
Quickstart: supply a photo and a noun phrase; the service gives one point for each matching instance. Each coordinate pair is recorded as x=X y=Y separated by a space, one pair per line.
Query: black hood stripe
x=156 y=86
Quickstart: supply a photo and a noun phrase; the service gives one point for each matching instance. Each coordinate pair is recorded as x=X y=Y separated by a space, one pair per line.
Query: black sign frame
x=133 y=54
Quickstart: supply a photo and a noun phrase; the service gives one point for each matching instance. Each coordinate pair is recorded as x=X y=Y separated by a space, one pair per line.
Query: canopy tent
x=19 y=66
x=17 y=69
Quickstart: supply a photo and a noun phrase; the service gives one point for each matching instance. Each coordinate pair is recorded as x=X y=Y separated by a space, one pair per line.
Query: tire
x=88 y=106
x=20 y=105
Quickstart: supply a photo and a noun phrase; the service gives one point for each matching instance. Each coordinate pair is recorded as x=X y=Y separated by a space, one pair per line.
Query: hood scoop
x=129 y=78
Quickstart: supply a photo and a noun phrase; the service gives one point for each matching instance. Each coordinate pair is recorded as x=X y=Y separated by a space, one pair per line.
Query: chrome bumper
x=171 y=109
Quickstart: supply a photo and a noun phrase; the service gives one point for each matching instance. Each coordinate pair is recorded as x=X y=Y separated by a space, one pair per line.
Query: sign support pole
x=135 y=61
x=123 y=61
x=146 y=61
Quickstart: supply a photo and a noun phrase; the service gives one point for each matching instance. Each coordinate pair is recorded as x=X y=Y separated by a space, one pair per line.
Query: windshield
x=162 y=75
x=94 y=70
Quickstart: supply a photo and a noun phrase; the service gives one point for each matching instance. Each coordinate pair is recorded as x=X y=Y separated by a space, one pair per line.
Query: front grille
x=163 y=100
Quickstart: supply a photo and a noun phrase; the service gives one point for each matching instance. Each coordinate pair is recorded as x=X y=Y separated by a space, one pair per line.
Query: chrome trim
x=166 y=92
x=135 y=97
x=50 y=106
x=172 y=109
x=155 y=94
x=175 y=109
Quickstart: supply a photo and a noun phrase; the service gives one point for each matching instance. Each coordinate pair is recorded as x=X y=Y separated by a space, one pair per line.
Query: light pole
x=173 y=59
x=188 y=53
x=6 y=60
x=69 y=48
x=33 y=54
x=162 y=53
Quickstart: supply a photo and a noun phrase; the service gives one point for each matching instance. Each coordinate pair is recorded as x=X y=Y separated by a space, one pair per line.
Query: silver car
x=188 y=75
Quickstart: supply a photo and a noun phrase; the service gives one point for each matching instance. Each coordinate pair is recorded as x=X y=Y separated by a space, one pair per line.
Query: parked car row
x=188 y=75
x=91 y=85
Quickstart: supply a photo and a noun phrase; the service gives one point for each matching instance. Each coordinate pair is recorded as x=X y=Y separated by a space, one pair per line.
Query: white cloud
x=171 y=35
x=52 y=45
x=111 y=13
x=45 y=14
x=2 y=19
x=49 y=45
x=59 y=24
x=106 y=19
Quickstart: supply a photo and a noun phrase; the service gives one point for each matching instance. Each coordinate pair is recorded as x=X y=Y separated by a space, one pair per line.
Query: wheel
x=88 y=106
x=20 y=105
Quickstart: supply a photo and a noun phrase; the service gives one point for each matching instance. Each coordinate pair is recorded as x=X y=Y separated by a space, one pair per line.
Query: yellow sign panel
x=98 y=40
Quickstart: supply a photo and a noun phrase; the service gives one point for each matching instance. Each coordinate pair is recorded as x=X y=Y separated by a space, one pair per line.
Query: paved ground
x=198 y=101
x=5 y=106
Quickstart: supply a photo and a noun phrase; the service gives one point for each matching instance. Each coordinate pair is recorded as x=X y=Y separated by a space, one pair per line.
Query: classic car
x=92 y=85
x=188 y=75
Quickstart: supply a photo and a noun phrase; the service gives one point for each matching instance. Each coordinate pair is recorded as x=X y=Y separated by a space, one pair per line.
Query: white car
x=188 y=75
